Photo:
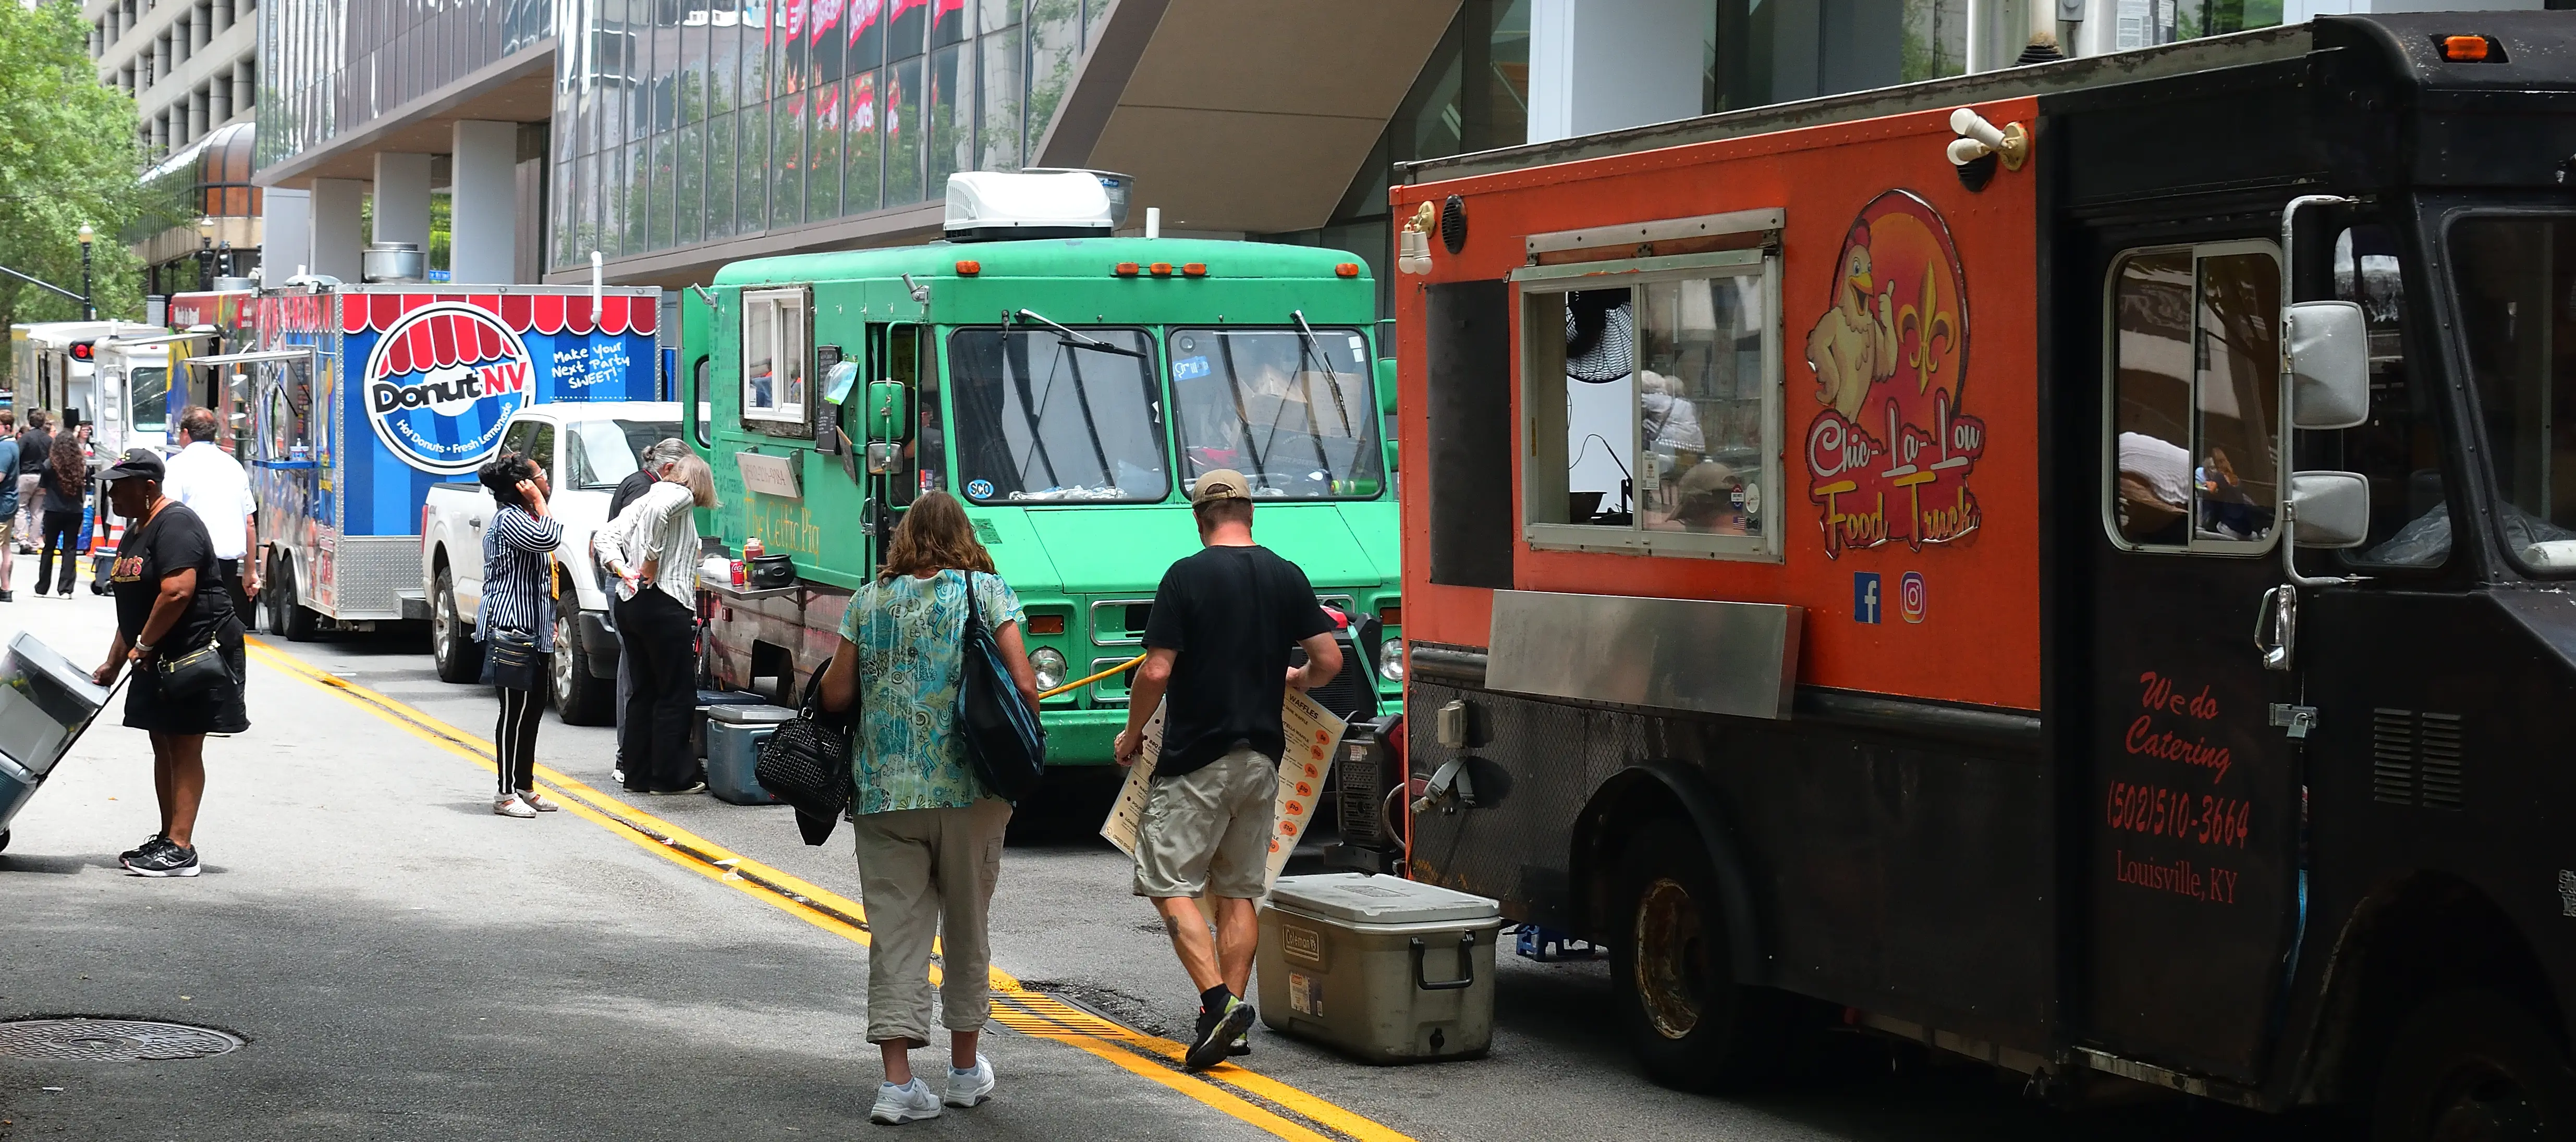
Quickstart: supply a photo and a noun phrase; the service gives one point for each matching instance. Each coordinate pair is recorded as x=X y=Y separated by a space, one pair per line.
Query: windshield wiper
x=1309 y=347
x=1072 y=338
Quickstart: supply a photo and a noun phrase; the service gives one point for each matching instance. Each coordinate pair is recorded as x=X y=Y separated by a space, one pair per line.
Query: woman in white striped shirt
x=518 y=603
x=652 y=548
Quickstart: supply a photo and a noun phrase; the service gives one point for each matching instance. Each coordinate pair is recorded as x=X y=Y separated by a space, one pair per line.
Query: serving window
x=1651 y=391
x=777 y=354
x=2192 y=415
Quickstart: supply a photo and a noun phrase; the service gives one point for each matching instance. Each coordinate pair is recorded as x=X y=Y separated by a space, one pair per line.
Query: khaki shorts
x=8 y=528
x=1207 y=832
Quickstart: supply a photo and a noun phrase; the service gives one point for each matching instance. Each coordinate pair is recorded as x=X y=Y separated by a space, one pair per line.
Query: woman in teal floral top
x=929 y=835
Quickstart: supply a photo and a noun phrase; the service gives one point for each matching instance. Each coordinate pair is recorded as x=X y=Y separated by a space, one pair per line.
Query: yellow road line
x=1269 y=1104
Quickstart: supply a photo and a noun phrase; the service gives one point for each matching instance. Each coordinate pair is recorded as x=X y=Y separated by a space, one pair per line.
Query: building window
x=1651 y=407
x=775 y=349
x=2193 y=373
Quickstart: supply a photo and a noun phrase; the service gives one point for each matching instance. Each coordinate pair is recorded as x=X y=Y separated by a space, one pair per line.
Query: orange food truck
x=1850 y=567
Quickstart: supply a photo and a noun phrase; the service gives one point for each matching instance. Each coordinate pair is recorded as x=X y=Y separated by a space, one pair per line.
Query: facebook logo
x=1865 y=596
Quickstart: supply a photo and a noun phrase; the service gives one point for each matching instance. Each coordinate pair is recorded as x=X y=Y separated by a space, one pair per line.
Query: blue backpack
x=1003 y=737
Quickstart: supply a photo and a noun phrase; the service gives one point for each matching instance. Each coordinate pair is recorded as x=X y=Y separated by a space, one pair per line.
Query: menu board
x=1313 y=735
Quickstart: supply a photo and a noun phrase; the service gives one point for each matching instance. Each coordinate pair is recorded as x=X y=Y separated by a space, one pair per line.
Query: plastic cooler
x=1384 y=969
x=709 y=700
x=45 y=704
x=734 y=734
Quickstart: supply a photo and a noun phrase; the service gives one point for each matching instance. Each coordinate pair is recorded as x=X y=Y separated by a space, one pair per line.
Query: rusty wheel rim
x=1671 y=960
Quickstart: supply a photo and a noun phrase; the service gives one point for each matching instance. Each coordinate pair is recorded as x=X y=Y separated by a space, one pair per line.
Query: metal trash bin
x=46 y=702
x=734 y=734
x=1384 y=969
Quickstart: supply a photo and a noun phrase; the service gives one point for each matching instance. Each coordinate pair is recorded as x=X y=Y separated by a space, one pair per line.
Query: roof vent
x=987 y=205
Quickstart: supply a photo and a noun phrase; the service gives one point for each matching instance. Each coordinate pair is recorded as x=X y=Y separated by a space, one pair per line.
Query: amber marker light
x=1124 y=269
x=1347 y=270
x=2465 y=49
x=1391 y=614
x=1194 y=269
x=1046 y=624
x=968 y=269
x=1162 y=269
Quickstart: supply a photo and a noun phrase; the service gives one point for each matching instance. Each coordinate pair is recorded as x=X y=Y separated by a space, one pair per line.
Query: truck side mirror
x=889 y=411
x=2329 y=365
x=2330 y=509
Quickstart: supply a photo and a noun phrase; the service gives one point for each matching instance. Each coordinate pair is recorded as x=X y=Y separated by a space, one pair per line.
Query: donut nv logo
x=440 y=384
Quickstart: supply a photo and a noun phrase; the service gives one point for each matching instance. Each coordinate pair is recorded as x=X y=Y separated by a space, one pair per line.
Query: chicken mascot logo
x=1888 y=457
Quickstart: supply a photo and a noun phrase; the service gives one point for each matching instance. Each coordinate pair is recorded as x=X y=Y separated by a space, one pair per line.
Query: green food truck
x=1068 y=387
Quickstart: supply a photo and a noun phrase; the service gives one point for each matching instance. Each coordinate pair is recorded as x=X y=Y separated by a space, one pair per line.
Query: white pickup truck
x=585 y=448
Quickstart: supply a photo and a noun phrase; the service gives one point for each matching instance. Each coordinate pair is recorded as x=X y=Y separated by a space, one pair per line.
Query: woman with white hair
x=652 y=549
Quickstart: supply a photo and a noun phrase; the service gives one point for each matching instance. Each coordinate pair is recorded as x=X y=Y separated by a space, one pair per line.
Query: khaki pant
x=926 y=873
x=1207 y=832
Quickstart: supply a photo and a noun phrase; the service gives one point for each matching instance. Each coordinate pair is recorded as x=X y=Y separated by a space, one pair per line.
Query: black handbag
x=193 y=675
x=516 y=665
x=1003 y=736
x=806 y=763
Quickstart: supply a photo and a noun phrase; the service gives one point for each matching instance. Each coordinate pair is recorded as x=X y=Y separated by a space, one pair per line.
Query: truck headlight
x=1390 y=660
x=1048 y=664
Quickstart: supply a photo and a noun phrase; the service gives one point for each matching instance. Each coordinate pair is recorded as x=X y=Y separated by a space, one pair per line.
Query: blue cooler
x=734 y=734
x=708 y=700
x=45 y=704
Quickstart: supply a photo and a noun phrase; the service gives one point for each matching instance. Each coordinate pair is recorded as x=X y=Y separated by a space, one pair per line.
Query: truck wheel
x=2471 y=1066
x=451 y=646
x=4 y=840
x=295 y=620
x=1689 y=1020
x=580 y=698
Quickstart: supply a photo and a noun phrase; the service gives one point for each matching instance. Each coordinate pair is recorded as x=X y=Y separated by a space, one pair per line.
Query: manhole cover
x=110 y=1040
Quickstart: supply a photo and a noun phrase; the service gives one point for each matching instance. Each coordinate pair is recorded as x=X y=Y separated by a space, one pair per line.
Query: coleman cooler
x=1385 y=969
x=45 y=703
x=734 y=734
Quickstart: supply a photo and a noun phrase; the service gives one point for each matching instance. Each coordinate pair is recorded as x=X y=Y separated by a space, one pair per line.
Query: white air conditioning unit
x=987 y=205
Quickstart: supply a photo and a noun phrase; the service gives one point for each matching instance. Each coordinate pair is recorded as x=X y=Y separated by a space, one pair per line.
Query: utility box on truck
x=364 y=395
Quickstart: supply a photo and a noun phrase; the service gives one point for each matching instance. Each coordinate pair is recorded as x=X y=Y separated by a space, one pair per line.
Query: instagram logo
x=1909 y=597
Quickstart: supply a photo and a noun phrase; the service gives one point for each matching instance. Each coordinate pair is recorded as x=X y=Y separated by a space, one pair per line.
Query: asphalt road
x=403 y=964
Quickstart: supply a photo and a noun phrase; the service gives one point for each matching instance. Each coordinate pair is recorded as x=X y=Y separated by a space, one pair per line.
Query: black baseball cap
x=142 y=462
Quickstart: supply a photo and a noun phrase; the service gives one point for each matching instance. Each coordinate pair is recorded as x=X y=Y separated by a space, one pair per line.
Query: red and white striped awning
x=548 y=313
x=444 y=338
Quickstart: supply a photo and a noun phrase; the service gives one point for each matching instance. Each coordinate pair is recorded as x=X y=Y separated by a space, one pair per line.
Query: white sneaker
x=911 y=1102
x=538 y=802
x=970 y=1088
x=511 y=806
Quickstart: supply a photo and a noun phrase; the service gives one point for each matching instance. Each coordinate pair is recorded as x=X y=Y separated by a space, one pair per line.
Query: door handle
x=2276 y=626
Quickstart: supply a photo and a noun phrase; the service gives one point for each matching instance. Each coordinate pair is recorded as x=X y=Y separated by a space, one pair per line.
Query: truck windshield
x=2515 y=275
x=1295 y=415
x=1042 y=418
x=149 y=390
x=600 y=453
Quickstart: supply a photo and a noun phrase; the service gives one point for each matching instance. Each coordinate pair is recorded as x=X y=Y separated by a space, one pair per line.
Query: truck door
x=2192 y=872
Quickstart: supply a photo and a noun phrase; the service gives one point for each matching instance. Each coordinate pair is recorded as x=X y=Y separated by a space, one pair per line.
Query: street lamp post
x=89 y=298
x=206 y=252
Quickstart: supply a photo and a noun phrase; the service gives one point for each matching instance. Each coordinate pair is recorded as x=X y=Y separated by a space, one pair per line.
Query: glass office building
x=330 y=67
x=686 y=121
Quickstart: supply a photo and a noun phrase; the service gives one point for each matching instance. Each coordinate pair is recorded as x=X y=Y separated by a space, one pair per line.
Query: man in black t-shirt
x=1217 y=646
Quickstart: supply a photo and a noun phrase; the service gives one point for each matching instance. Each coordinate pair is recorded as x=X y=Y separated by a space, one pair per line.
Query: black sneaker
x=151 y=843
x=8 y=597
x=167 y=860
x=1241 y=1046
x=1217 y=1033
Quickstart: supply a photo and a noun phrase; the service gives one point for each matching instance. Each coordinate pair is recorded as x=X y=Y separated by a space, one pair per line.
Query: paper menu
x=1313 y=736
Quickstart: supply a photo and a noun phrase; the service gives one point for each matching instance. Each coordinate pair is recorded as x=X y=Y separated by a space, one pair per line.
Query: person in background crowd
x=652 y=549
x=213 y=485
x=35 y=450
x=8 y=500
x=650 y=465
x=518 y=599
x=928 y=834
x=170 y=602
x=64 y=482
x=1217 y=642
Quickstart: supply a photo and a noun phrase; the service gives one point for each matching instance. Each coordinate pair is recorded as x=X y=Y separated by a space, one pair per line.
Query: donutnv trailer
x=2069 y=566
x=362 y=396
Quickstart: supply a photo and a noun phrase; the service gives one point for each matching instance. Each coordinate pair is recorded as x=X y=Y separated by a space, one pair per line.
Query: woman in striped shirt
x=652 y=548
x=518 y=598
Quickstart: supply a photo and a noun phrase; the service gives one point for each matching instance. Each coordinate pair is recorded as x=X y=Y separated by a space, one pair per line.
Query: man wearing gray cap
x=1217 y=646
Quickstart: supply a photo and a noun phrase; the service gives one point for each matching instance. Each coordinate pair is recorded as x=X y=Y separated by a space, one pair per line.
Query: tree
x=69 y=156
